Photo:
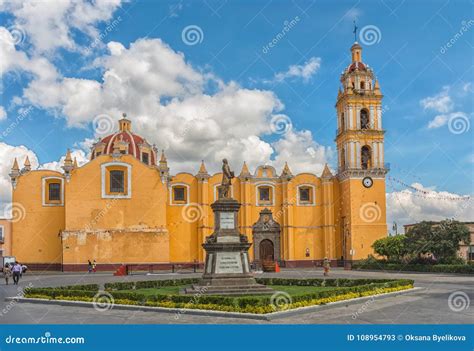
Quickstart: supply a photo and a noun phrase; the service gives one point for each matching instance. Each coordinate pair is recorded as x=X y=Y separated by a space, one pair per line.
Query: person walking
x=326 y=266
x=16 y=271
x=7 y=272
x=94 y=266
x=89 y=266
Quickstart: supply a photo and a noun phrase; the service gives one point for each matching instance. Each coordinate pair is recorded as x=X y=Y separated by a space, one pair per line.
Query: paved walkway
x=427 y=306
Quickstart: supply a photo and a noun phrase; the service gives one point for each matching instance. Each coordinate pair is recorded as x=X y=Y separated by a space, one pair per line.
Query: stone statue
x=227 y=176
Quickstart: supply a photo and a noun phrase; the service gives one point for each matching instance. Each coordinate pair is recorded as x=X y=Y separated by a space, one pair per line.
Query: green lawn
x=290 y=289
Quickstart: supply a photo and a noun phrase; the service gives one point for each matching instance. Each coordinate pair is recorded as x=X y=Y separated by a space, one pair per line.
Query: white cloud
x=305 y=71
x=49 y=24
x=3 y=113
x=301 y=152
x=441 y=120
x=169 y=104
x=441 y=102
x=408 y=206
x=7 y=155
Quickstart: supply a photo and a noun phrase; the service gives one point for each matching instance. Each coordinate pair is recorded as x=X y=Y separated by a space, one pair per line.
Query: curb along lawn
x=289 y=294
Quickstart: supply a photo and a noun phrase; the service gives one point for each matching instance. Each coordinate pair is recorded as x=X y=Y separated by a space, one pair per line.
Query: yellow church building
x=125 y=206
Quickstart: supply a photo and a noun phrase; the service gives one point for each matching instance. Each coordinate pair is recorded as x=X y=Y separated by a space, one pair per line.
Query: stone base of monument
x=227 y=268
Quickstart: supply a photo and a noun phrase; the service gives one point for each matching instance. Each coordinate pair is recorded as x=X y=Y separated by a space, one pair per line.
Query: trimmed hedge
x=56 y=292
x=343 y=288
x=437 y=268
x=319 y=282
x=88 y=287
x=149 y=284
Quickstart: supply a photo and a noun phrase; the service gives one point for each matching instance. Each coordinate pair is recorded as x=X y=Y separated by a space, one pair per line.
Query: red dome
x=356 y=65
x=134 y=141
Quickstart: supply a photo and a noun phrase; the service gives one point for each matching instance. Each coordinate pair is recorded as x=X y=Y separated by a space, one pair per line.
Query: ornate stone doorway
x=266 y=237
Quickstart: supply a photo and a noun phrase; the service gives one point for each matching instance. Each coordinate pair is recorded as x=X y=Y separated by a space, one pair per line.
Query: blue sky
x=427 y=85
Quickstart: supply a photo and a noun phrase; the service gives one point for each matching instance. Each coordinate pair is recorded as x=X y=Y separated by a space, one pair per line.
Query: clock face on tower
x=367 y=182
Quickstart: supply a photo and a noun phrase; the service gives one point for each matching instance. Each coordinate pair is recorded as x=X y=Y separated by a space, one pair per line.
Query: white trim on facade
x=43 y=191
x=313 y=202
x=375 y=155
x=272 y=197
x=187 y=194
x=103 y=172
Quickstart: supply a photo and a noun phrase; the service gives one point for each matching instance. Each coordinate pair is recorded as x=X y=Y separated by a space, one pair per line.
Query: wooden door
x=267 y=252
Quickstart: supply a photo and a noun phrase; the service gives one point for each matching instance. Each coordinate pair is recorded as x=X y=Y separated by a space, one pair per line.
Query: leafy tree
x=392 y=247
x=440 y=240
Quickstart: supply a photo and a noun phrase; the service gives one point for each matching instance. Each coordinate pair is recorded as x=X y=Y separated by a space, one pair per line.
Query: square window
x=179 y=193
x=145 y=158
x=54 y=191
x=264 y=194
x=117 y=181
x=305 y=195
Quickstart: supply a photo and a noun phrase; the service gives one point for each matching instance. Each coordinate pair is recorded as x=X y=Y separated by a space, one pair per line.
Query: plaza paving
x=426 y=306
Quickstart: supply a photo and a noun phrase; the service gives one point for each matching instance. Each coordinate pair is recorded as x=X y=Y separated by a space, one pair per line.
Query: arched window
x=362 y=85
x=365 y=157
x=342 y=122
x=364 y=119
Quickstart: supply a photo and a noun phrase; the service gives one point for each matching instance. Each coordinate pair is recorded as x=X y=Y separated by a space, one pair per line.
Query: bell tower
x=361 y=167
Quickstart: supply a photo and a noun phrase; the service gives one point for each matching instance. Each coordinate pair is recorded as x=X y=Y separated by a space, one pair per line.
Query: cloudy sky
x=253 y=81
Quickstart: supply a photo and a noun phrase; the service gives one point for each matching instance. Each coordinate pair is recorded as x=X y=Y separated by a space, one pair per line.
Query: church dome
x=127 y=143
x=356 y=66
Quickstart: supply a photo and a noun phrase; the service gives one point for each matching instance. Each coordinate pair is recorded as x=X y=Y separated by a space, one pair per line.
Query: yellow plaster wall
x=116 y=247
x=86 y=209
x=35 y=236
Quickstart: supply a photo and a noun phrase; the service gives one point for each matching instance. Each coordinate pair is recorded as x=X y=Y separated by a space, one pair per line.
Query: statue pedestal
x=227 y=268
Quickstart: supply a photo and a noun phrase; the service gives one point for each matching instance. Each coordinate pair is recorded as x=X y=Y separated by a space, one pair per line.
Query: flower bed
x=343 y=289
